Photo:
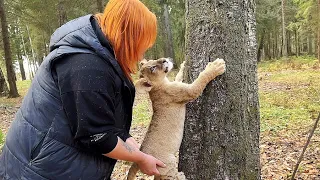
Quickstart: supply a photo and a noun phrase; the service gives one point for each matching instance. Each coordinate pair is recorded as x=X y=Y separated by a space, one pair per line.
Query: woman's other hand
x=148 y=165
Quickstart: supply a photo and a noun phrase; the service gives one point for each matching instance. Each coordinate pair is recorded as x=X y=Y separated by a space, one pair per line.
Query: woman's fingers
x=160 y=164
x=156 y=173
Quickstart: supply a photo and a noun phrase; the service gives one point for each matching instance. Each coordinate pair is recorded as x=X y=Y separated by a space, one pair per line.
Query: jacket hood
x=77 y=33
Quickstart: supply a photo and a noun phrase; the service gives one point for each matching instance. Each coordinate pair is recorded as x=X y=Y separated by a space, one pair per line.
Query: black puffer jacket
x=42 y=141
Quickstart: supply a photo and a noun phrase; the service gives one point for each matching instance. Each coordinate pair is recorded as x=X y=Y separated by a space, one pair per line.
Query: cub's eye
x=153 y=68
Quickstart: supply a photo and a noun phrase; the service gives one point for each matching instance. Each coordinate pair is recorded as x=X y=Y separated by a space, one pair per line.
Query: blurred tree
x=13 y=92
x=3 y=85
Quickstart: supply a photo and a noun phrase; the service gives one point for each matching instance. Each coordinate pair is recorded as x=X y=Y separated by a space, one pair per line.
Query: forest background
x=288 y=50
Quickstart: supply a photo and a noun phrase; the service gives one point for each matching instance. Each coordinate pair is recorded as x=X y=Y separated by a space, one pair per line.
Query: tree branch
x=305 y=147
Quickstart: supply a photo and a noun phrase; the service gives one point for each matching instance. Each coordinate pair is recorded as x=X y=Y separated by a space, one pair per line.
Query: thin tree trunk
x=168 y=30
x=284 y=37
x=27 y=57
x=221 y=137
x=319 y=31
x=289 y=51
x=277 y=45
x=100 y=6
x=261 y=45
x=62 y=12
x=267 y=48
x=3 y=85
x=309 y=44
x=21 y=67
x=299 y=44
x=34 y=62
x=7 y=53
x=296 y=42
x=319 y=39
x=45 y=49
x=18 y=52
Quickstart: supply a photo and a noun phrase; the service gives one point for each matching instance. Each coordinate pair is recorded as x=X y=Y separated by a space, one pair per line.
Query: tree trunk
x=45 y=49
x=222 y=126
x=319 y=39
x=3 y=85
x=277 y=52
x=309 y=44
x=21 y=67
x=296 y=40
x=168 y=30
x=299 y=44
x=100 y=6
x=7 y=53
x=284 y=37
x=62 y=12
x=319 y=31
x=34 y=65
x=27 y=57
x=261 y=45
x=18 y=52
x=289 y=51
x=272 y=46
x=267 y=50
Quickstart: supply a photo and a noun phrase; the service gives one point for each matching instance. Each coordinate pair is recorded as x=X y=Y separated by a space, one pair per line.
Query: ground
x=290 y=102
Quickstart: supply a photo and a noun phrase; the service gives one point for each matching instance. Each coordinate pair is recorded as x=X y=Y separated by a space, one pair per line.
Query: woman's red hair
x=131 y=29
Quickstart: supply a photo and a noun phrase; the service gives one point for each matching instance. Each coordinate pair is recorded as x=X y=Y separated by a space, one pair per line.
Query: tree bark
x=284 y=37
x=296 y=40
x=3 y=85
x=34 y=65
x=27 y=56
x=222 y=126
x=45 y=48
x=277 y=51
x=168 y=30
x=289 y=51
x=319 y=30
x=267 y=47
x=18 y=48
x=261 y=45
x=62 y=12
x=13 y=92
x=100 y=6
x=309 y=44
x=21 y=67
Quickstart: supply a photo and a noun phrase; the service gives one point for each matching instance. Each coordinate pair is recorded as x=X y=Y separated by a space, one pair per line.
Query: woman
x=75 y=120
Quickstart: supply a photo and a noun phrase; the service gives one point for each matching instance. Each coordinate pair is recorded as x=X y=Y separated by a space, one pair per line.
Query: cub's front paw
x=216 y=67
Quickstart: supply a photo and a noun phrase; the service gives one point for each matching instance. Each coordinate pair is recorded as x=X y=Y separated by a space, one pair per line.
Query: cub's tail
x=133 y=171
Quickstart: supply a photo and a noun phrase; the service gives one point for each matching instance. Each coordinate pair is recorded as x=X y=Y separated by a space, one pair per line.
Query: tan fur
x=168 y=99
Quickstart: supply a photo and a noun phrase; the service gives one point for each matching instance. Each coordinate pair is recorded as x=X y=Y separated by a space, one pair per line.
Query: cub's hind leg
x=133 y=171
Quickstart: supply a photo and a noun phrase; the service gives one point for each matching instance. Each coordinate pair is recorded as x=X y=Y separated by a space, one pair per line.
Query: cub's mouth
x=167 y=65
x=166 y=70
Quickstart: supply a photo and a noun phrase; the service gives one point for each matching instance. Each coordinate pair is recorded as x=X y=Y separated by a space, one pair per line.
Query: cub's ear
x=142 y=62
x=143 y=86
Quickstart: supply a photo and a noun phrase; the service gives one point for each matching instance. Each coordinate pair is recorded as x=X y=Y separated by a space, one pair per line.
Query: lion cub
x=168 y=99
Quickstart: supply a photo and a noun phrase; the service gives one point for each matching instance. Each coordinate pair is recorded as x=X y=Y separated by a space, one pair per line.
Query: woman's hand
x=133 y=142
x=148 y=165
x=129 y=152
